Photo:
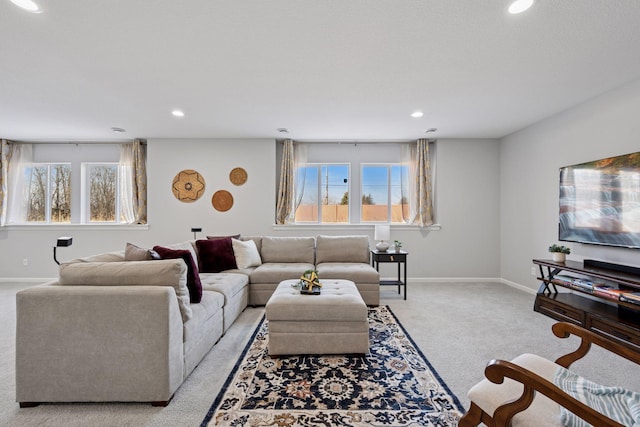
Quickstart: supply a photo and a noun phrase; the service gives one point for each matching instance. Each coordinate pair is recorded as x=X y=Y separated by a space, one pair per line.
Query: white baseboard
x=415 y=280
x=518 y=286
x=449 y=279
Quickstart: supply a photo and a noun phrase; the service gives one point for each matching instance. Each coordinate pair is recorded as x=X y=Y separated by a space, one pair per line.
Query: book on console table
x=573 y=282
x=632 y=297
x=608 y=291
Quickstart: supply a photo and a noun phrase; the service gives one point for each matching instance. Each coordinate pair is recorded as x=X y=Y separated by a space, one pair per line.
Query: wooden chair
x=522 y=392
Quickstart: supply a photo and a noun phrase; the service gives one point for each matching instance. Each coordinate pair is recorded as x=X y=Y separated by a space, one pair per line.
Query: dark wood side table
x=399 y=258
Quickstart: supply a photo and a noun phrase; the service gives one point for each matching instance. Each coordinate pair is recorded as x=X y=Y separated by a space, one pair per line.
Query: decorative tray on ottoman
x=314 y=291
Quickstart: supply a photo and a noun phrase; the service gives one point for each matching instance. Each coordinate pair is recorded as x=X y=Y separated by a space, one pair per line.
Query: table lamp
x=382 y=233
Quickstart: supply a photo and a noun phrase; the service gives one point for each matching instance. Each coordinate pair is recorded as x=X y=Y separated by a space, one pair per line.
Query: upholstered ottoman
x=334 y=322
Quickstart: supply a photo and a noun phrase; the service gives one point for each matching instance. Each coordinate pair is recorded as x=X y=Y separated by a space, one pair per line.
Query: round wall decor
x=188 y=186
x=222 y=200
x=238 y=176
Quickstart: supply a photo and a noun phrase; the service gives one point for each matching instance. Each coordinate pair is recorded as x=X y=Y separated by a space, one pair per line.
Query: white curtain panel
x=20 y=159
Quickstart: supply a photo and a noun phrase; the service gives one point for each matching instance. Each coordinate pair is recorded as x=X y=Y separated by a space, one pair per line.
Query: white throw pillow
x=246 y=253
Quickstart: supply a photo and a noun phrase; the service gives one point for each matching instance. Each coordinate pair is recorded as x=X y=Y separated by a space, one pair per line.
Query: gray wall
x=606 y=126
x=467 y=207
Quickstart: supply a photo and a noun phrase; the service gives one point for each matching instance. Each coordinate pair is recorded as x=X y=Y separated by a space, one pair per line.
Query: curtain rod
x=128 y=141
x=353 y=142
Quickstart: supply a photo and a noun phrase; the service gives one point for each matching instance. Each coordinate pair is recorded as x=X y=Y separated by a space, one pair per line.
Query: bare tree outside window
x=49 y=193
x=103 y=192
x=60 y=193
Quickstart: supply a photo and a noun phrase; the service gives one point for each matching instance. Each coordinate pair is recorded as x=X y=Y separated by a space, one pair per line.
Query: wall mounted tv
x=600 y=202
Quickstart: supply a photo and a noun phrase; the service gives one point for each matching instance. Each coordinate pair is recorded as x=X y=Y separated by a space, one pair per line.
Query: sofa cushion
x=246 y=253
x=342 y=249
x=136 y=253
x=228 y=284
x=104 y=257
x=193 y=280
x=277 y=272
x=170 y=272
x=288 y=249
x=216 y=255
x=212 y=302
x=357 y=272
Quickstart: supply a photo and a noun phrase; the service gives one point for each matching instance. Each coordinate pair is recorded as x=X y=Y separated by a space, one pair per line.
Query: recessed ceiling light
x=178 y=113
x=28 y=5
x=519 y=6
x=283 y=130
x=417 y=114
x=118 y=130
x=430 y=130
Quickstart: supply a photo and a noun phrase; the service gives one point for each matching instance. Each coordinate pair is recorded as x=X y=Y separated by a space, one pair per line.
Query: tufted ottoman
x=334 y=322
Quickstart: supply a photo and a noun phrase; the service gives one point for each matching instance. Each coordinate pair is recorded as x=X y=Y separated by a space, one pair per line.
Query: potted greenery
x=559 y=252
x=398 y=245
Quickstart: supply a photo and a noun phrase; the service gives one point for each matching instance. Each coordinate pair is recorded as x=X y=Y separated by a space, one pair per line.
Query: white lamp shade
x=383 y=232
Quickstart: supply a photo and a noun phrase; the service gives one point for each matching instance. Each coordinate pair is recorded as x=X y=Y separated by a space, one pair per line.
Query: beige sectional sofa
x=129 y=331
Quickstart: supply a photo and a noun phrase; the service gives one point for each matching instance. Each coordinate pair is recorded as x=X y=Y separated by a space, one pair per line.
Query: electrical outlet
x=25 y=262
x=533 y=271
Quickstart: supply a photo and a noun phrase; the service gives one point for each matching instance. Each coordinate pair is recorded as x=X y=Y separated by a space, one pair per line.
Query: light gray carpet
x=458 y=326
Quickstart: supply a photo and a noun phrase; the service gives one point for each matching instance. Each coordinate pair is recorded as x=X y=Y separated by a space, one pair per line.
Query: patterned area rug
x=394 y=385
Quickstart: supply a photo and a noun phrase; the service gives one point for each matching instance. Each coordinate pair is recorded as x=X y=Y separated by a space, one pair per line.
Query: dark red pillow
x=216 y=255
x=235 y=236
x=193 y=280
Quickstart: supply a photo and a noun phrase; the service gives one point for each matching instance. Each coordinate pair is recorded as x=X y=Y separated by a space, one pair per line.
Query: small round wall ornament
x=188 y=186
x=238 y=176
x=222 y=200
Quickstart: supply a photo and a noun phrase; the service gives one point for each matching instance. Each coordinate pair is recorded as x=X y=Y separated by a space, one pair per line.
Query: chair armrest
x=497 y=370
x=564 y=330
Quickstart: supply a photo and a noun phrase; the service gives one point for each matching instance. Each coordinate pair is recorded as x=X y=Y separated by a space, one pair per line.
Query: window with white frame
x=352 y=183
x=48 y=193
x=68 y=183
x=323 y=194
x=100 y=193
x=384 y=190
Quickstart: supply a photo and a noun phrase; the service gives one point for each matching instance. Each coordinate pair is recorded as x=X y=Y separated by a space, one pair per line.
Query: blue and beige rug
x=395 y=385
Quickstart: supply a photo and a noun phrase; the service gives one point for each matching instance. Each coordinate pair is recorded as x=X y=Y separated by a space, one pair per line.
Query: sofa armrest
x=98 y=343
x=165 y=272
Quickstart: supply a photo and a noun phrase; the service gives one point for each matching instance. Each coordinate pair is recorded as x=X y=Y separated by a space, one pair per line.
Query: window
x=48 y=193
x=101 y=193
x=384 y=193
x=323 y=192
x=56 y=183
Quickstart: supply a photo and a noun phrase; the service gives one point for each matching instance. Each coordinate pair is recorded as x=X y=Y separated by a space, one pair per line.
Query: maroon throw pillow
x=235 y=236
x=193 y=280
x=216 y=255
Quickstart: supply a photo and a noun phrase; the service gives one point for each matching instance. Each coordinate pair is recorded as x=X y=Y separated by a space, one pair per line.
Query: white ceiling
x=325 y=69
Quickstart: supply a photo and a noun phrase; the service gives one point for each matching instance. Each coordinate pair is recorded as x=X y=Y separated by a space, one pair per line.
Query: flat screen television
x=600 y=202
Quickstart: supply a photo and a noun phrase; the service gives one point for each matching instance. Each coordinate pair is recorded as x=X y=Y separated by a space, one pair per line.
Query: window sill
x=90 y=227
x=339 y=227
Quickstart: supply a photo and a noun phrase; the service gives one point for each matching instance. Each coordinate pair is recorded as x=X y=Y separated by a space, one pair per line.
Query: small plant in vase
x=398 y=245
x=559 y=252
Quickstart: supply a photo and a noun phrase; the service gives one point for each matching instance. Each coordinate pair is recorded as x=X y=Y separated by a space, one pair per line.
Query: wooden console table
x=612 y=318
x=399 y=257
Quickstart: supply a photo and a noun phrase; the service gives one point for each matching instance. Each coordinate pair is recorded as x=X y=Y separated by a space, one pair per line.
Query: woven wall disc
x=188 y=186
x=222 y=200
x=238 y=176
